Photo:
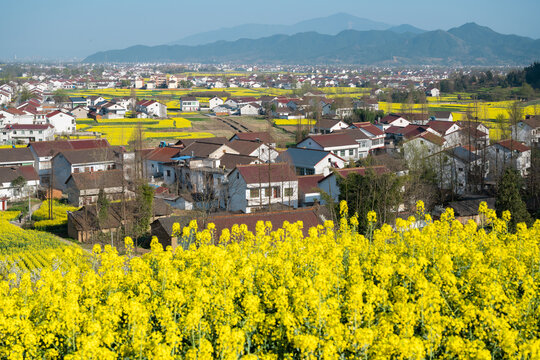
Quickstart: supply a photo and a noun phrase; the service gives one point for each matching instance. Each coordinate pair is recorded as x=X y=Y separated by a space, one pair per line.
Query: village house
x=330 y=183
x=310 y=161
x=10 y=173
x=374 y=134
x=80 y=112
x=16 y=157
x=24 y=134
x=189 y=103
x=63 y=123
x=528 y=131
x=257 y=149
x=215 y=101
x=327 y=126
x=43 y=153
x=250 y=109
x=443 y=116
x=155 y=159
x=509 y=153
x=68 y=162
x=420 y=146
x=84 y=223
x=83 y=188
x=310 y=217
x=459 y=170
x=152 y=108
x=252 y=188
x=340 y=144
x=392 y=120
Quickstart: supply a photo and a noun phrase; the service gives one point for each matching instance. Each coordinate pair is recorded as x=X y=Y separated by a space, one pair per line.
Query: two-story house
x=310 y=161
x=340 y=144
x=254 y=187
x=189 y=103
x=68 y=162
x=509 y=153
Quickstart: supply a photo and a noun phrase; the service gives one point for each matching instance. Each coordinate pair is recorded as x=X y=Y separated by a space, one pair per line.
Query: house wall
x=63 y=123
x=6 y=190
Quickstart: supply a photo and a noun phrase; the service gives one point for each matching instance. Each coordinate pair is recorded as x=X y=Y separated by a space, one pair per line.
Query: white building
x=528 y=130
x=189 y=103
x=341 y=144
x=9 y=174
x=63 y=123
x=215 y=101
x=253 y=187
x=509 y=153
x=21 y=133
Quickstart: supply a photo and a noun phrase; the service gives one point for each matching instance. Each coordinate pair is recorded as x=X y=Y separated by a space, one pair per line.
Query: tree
x=102 y=207
x=363 y=193
x=60 y=96
x=25 y=94
x=144 y=201
x=509 y=198
x=18 y=184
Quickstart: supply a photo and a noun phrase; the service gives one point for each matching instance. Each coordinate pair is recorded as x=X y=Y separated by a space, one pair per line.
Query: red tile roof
x=28 y=126
x=307 y=216
x=163 y=154
x=51 y=148
x=339 y=138
x=440 y=126
x=264 y=173
x=513 y=145
x=369 y=127
x=308 y=183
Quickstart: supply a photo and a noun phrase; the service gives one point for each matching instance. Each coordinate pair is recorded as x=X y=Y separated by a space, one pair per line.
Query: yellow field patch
x=287 y=122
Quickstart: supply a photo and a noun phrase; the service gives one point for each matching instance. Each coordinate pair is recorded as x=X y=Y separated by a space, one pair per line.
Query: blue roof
x=77 y=98
x=305 y=158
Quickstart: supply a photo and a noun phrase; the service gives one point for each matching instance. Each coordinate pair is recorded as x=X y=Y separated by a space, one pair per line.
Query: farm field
x=31 y=250
x=444 y=291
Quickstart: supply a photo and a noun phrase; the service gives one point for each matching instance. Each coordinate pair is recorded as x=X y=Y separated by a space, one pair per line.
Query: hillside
x=330 y=25
x=469 y=44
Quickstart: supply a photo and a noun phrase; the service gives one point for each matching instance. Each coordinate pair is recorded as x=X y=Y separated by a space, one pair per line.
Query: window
x=310 y=171
x=276 y=191
x=342 y=152
x=76 y=170
x=40 y=131
x=253 y=193
x=288 y=192
x=351 y=152
x=460 y=169
x=168 y=172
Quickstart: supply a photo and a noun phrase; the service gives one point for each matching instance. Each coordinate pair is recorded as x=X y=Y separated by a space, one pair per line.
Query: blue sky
x=74 y=29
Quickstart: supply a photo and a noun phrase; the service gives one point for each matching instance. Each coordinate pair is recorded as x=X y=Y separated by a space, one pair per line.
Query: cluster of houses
x=280 y=107
x=37 y=119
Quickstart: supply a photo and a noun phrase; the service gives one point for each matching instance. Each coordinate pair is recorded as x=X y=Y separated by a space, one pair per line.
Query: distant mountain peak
x=470 y=44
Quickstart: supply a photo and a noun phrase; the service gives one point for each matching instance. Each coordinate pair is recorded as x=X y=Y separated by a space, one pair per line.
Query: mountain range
x=329 y=25
x=469 y=44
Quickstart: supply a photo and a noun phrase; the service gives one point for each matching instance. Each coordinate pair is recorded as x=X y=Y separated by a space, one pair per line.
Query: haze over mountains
x=363 y=42
x=329 y=25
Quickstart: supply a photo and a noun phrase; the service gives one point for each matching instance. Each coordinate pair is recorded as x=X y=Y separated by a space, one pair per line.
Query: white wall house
x=8 y=174
x=250 y=109
x=342 y=145
x=19 y=133
x=63 y=123
x=509 y=153
x=252 y=187
x=69 y=162
x=311 y=162
x=215 y=101
x=392 y=120
x=528 y=131
x=189 y=103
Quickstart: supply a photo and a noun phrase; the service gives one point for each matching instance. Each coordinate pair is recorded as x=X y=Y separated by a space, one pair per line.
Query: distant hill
x=329 y=25
x=469 y=44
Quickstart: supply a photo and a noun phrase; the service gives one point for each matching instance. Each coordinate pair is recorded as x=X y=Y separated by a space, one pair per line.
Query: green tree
x=363 y=193
x=509 y=198
x=25 y=94
x=144 y=200
x=102 y=207
x=18 y=184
